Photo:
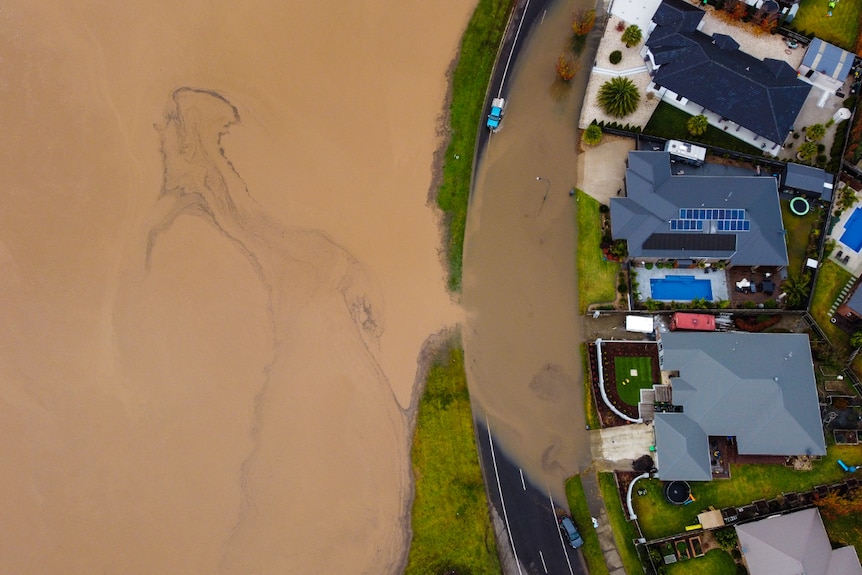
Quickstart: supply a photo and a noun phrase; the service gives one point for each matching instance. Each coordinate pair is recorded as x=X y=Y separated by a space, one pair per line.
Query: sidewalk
x=596 y=505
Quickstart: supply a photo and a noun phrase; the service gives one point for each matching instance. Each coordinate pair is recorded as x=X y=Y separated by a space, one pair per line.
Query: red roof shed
x=692 y=321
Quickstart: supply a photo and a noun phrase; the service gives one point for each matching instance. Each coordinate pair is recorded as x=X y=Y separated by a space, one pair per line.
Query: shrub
x=593 y=136
x=619 y=97
x=648 y=265
x=566 y=68
x=604 y=209
x=815 y=131
x=615 y=57
x=697 y=125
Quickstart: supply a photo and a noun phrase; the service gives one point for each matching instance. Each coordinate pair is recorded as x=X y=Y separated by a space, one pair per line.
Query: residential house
x=687 y=218
x=826 y=66
x=794 y=544
x=753 y=99
x=808 y=181
x=758 y=388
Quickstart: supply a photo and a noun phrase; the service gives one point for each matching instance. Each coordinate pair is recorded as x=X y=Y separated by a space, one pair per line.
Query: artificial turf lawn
x=629 y=386
x=596 y=275
x=451 y=525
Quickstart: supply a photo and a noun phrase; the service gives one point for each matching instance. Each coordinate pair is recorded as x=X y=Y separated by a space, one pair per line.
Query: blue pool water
x=852 y=236
x=680 y=288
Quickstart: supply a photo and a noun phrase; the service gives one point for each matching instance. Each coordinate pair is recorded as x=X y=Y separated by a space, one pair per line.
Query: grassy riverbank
x=469 y=84
x=451 y=524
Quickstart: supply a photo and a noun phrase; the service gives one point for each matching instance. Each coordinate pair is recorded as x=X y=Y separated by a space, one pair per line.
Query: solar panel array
x=727 y=220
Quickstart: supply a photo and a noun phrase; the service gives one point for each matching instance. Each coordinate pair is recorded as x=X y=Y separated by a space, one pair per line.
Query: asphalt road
x=529 y=514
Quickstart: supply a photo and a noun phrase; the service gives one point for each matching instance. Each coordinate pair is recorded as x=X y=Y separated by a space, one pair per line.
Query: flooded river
x=219 y=270
x=523 y=329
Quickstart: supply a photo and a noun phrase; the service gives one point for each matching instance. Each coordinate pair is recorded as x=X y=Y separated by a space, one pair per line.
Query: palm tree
x=619 y=97
x=806 y=151
x=797 y=288
x=697 y=125
x=815 y=132
x=632 y=36
x=592 y=135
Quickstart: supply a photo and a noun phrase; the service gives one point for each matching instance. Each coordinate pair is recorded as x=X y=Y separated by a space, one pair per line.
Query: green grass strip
x=452 y=530
x=831 y=279
x=581 y=514
x=625 y=532
x=596 y=276
x=841 y=28
x=659 y=518
x=469 y=85
x=799 y=229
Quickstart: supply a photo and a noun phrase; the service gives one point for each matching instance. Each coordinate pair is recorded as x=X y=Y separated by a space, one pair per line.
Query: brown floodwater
x=523 y=329
x=219 y=270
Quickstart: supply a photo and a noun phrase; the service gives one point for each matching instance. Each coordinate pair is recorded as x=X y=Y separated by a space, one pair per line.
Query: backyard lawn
x=596 y=276
x=830 y=280
x=581 y=514
x=659 y=518
x=841 y=28
x=670 y=122
x=798 y=231
x=633 y=374
x=715 y=562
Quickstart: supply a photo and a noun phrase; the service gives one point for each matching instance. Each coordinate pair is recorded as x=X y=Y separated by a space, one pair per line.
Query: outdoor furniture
x=768 y=287
x=840 y=254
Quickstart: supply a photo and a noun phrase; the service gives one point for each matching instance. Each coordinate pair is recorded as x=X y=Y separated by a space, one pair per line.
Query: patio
x=757 y=285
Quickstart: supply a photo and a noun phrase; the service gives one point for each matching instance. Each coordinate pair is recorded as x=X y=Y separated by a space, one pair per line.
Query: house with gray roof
x=807 y=180
x=687 y=65
x=794 y=544
x=756 y=387
x=673 y=216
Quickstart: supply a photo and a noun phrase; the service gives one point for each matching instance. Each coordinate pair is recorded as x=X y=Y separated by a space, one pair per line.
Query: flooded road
x=523 y=330
x=219 y=270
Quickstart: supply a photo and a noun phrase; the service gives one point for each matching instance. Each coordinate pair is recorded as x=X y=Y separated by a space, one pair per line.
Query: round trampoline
x=677 y=492
x=799 y=206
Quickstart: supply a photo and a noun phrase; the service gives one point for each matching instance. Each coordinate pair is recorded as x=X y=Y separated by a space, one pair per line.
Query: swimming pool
x=852 y=236
x=680 y=288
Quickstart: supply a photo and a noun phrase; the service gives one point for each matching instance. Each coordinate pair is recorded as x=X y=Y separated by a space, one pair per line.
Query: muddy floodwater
x=523 y=329
x=218 y=274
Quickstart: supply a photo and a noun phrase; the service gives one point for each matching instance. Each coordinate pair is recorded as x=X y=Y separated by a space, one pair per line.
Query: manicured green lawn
x=840 y=29
x=469 y=84
x=798 y=231
x=625 y=532
x=592 y=415
x=596 y=277
x=581 y=514
x=714 y=562
x=830 y=280
x=659 y=518
x=451 y=523
x=629 y=385
x=670 y=122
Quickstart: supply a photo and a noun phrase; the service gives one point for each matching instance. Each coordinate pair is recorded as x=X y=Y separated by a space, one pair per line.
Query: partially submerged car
x=495 y=118
x=570 y=532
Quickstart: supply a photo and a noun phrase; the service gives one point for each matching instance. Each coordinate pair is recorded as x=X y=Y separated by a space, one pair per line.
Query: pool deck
x=717 y=280
x=848 y=259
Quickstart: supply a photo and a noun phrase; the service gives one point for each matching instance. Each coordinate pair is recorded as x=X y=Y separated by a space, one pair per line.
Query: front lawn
x=841 y=28
x=633 y=374
x=715 y=562
x=596 y=275
x=581 y=514
x=625 y=532
x=659 y=518
x=669 y=122
x=831 y=279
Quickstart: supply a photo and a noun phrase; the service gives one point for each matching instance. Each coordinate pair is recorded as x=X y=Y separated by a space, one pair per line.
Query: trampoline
x=852 y=236
x=799 y=206
x=677 y=492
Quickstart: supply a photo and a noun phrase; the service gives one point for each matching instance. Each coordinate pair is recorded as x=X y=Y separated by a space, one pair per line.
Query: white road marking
x=542 y=557
x=502 y=501
x=524 y=485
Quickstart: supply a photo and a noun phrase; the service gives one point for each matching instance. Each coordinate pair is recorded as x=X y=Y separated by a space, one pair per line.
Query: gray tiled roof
x=654 y=197
x=828 y=59
x=794 y=544
x=757 y=387
x=809 y=179
x=764 y=96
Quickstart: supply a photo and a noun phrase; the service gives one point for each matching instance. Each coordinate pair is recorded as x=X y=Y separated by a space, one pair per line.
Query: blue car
x=570 y=532
x=495 y=118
